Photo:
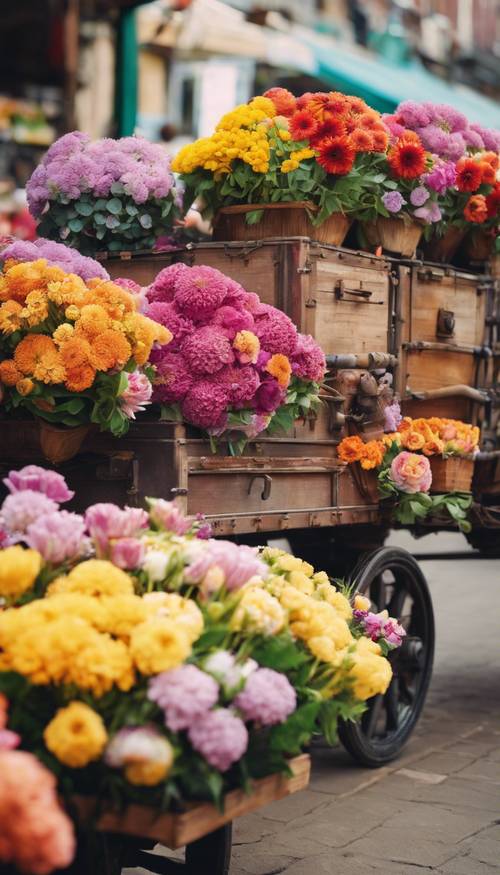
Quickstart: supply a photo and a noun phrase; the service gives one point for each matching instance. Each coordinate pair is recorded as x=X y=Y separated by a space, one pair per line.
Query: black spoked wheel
x=393 y=580
x=210 y=854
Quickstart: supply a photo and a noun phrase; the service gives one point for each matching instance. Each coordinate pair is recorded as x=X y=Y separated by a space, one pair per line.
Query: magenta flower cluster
x=220 y=359
x=56 y=254
x=75 y=165
x=380 y=627
x=444 y=130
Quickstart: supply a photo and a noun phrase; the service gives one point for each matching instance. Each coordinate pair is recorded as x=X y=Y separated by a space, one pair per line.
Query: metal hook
x=268 y=480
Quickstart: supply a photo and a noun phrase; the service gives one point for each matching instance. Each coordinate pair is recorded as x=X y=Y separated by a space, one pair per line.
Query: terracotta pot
x=279 y=220
x=393 y=235
x=60 y=444
x=453 y=474
x=442 y=249
x=479 y=246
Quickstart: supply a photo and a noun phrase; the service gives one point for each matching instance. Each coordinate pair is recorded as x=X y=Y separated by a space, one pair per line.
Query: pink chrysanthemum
x=220 y=737
x=164 y=285
x=184 y=695
x=172 y=379
x=241 y=383
x=308 y=362
x=230 y=321
x=168 y=516
x=207 y=350
x=200 y=291
x=267 y=698
x=166 y=314
x=205 y=405
x=126 y=283
x=235 y=294
x=52 y=484
x=276 y=332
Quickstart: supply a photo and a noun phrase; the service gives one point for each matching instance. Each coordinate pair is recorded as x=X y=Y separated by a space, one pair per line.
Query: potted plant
x=115 y=195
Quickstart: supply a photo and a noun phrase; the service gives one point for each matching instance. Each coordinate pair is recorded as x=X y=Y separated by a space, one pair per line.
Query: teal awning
x=383 y=85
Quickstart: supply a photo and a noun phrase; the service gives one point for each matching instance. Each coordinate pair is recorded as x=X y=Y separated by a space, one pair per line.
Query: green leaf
x=75 y=225
x=99 y=219
x=84 y=209
x=132 y=210
x=253 y=217
x=280 y=652
x=117 y=188
x=114 y=206
x=296 y=731
x=146 y=221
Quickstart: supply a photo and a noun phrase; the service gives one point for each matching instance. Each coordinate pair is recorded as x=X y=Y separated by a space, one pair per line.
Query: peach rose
x=411 y=473
x=413 y=440
x=449 y=432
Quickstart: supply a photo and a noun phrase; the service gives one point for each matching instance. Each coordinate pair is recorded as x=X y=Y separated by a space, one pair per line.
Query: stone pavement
x=436 y=809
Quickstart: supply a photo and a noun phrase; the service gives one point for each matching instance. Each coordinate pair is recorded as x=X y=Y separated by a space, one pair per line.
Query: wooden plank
x=226 y=464
x=174 y=830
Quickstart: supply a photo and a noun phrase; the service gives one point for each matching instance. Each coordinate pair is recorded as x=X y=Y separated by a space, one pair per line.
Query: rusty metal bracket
x=268 y=482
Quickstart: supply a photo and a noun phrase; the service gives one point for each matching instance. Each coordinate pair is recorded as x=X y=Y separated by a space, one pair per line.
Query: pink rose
x=411 y=472
x=449 y=433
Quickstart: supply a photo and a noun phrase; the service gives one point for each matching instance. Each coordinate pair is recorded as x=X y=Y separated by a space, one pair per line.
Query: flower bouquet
x=72 y=351
x=424 y=467
x=144 y=662
x=107 y=194
x=282 y=165
x=235 y=366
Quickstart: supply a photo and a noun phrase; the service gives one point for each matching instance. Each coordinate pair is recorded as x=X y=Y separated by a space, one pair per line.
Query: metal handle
x=365 y=294
x=268 y=481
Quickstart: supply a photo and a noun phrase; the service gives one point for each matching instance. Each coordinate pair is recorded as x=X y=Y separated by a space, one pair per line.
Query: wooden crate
x=174 y=830
x=343 y=298
x=278 y=484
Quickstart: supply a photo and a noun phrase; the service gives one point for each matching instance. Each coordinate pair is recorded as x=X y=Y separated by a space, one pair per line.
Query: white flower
x=231 y=674
x=155 y=565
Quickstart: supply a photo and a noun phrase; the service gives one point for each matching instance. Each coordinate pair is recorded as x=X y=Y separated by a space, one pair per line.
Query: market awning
x=383 y=85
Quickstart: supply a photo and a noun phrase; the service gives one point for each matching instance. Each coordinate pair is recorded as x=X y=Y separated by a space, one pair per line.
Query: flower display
x=57 y=255
x=73 y=351
x=178 y=674
x=235 y=366
x=107 y=194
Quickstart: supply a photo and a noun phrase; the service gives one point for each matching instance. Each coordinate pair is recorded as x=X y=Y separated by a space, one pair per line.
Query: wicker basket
x=279 y=220
x=394 y=235
x=442 y=249
x=453 y=474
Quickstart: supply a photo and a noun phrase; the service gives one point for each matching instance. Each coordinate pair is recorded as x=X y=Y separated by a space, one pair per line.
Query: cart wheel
x=210 y=854
x=393 y=580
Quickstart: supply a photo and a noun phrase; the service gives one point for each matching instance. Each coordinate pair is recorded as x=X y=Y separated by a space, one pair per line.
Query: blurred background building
x=169 y=68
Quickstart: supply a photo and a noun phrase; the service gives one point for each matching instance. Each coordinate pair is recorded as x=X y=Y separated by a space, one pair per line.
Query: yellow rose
x=301 y=581
x=19 y=569
x=158 y=645
x=76 y=735
x=361 y=603
x=371 y=672
x=258 y=611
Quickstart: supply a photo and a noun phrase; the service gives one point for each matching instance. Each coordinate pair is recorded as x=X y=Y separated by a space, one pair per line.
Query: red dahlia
x=469 y=175
x=407 y=158
x=336 y=155
x=303 y=125
x=332 y=127
x=304 y=100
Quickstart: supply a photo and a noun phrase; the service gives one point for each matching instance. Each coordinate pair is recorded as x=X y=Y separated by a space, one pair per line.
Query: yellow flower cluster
x=258 y=611
x=241 y=134
x=293 y=162
x=435 y=436
x=92 y=631
x=76 y=735
x=19 y=569
x=319 y=615
x=96 y=328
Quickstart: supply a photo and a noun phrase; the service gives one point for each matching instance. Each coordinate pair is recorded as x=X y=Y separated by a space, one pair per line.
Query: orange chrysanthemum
x=93 y=320
x=9 y=372
x=469 y=175
x=115 y=300
x=304 y=100
x=30 y=350
x=279 y=367
x=303 y=125
x=79 y=379
x=23 y=278
x=368 y=121
x=284 y=101
x=25 y=386
x=489 y=175
x=110 y=350
x=380 y=140
x=71 y=289
x=50 y=368
x=63 y=333
x=316 y=105
x=361 y=140
x=407 y=158
x=357 y=106
x=491 y=158
x=373 y=454
x=413 y=440
x=10 y=316
x=76 y=353
x=351 y=449
x=336 y=155
x=476 y=209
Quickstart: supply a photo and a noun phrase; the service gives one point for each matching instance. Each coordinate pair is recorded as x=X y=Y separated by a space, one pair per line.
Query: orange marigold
x=10 y=317
x=23 y=278
x=9 y=372
x=476 y=209
x=373 y=454
x=25 y=386
x=50 y=368
x=110 y=349
x=350 y=449
x=413 y=440
x=76 y=352
x=93 y=320
x=369 y=120
x=79 y=379
x=279 y=367
x=30 y=350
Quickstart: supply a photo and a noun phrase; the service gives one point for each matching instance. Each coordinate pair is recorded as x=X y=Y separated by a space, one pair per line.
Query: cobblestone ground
x=437 y=808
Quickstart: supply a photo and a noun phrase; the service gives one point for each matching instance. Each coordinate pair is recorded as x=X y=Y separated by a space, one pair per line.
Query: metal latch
x=445 y=323
x=268 y=481
x=365 y=294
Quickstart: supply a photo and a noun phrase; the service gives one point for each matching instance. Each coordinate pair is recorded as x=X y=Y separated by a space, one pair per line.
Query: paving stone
x=421 y=777
x=466 y=866
x=485 y=850
x=294 y=806
x=440 y=824
x=471 y=794
x=251 y=828
x=493 y=832
x=483 y=768
x=443 y=763
x=339 y=823
x=260 y=862
x=472 y=748
x=405 y=845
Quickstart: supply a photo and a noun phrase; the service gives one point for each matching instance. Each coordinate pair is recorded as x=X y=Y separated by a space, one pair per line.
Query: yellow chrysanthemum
x=76 y=735
x=185 y=612
x=19 y=569
x=371 y=673
x=95 y=577
x=158 y=645
x=50 y=368
x=36 y=308
x=258 y=611
x=63 y=333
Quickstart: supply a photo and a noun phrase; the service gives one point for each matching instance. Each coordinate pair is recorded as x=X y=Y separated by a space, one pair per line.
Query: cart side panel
x=447 y=305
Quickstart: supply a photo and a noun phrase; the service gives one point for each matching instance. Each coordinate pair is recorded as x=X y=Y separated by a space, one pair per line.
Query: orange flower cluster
x=437 y=436
x=370 y=455
x=336 y=125
x=60 y=330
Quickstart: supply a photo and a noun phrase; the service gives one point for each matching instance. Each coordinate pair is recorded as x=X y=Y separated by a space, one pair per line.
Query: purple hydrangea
x=267 y=698
x=220 y=737
x=184 y=695
x=419 y=196
x=58 y=536
x=393 y=201
x=52 y=484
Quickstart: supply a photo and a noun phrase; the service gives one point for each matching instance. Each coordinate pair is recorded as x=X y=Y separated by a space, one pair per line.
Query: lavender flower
x=393 y=201
x=220 y=737
x=184 y=695
x=419 y=196
x=441 y=177
x=430 y=213
x=267 y=698
x=392 y=417
x=58 y=255
x=58 y=536
x=52 y=484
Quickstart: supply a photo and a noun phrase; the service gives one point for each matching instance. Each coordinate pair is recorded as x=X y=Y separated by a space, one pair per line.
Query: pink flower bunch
x=50 y=483
x=74 y=165
x=230 y=352
x=36 y=836
x=267 y=697
x=184 y=694
x=236 y=565
x=136 y=395
x=107 y=524
x=444 y=131
x=167 y=515
x=411 y=472
x=380 y=627
x=220 y=737
x=58 y=536
x=23 y=508
x=56 y=254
